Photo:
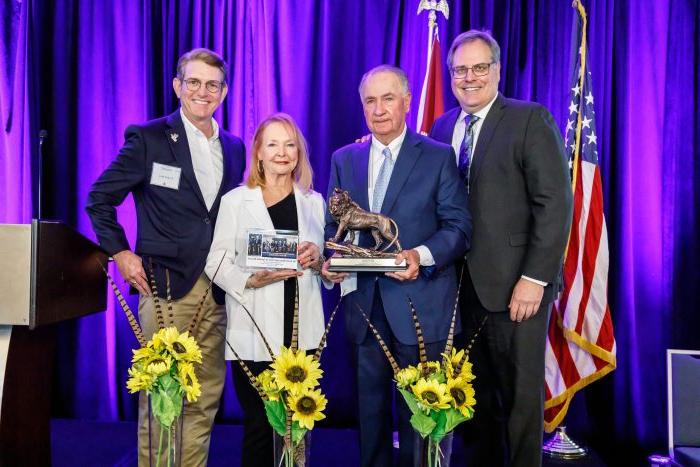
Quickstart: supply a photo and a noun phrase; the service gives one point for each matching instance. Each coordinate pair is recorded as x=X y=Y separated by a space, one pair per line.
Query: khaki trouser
x=198 y=416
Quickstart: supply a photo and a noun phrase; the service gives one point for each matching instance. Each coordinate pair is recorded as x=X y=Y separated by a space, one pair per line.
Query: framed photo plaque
x=272 y=249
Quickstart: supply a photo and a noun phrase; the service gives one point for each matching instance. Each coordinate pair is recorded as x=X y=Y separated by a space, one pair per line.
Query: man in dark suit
x=512 y=160
x=413 y=180
x=177 y=168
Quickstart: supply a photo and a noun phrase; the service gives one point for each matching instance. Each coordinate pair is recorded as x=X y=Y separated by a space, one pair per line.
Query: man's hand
x=525 y=300
x=334 y=277
x=267 y=277
x=412 y=261
x=131 y=269
x=364 y=139
x=307 y=254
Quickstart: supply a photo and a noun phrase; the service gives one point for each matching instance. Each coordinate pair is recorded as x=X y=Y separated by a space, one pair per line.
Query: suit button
x=207 y=220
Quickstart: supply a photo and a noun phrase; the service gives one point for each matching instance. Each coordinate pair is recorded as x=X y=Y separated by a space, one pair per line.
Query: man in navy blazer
x=413 y=180
x=512 y=159
x=177 y=168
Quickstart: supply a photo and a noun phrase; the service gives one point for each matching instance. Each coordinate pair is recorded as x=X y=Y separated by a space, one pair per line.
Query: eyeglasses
x=480 y=69
x=214 y=87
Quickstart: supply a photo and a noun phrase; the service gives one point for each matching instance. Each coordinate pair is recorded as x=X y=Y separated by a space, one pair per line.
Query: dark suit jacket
x=428 y=202
x=175 y=228
x=520 y=199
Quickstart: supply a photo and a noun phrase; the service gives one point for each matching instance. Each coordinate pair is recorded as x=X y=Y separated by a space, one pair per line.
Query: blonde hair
x=302 y=174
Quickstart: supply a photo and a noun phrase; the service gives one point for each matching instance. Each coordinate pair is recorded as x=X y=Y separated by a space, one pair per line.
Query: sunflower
x=143 y=353
x=184 y=348
x=269 y=385
x=407 y=376
x=462 y=394
x=307 y=407
x=139 y=380
x=296 y=371
x=452 y=360
x=158 y=365
x=431 y=394
x=188 y=381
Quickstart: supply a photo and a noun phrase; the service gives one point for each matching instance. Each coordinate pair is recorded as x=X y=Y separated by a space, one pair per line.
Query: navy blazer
x=520 y=198
x=175 y=228
x=429 y=204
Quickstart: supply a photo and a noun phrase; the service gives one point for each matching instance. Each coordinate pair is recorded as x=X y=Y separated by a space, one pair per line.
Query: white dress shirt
x=207 y=159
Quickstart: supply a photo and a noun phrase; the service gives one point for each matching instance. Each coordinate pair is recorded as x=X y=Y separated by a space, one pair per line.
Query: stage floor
x=96 y=444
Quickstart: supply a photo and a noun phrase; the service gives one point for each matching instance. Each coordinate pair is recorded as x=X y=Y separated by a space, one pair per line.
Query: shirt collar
x=190 y=128
x=481 y=113
x=394 y=146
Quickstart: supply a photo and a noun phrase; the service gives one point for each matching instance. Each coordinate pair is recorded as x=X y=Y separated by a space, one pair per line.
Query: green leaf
x=438 y=432
x=297 y=433
x=453 y=418
x=165 y=407
x=276 y=415
x=410 y=401
x=422 y=424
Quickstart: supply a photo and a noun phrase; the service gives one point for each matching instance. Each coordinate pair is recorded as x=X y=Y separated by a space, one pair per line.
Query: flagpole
x=560 y=445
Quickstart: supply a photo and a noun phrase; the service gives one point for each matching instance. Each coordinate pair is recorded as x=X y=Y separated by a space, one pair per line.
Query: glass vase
x=165 y=443
x=291 y=456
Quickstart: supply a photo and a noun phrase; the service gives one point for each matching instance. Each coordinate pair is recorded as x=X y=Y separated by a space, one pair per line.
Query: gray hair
x=207 y=56
x=471 y=36
x=400 y=74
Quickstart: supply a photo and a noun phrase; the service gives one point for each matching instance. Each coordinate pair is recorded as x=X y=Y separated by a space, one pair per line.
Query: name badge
x=166 y=176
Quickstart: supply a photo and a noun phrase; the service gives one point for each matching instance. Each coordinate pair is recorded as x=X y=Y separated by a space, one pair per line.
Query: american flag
x=580 y=342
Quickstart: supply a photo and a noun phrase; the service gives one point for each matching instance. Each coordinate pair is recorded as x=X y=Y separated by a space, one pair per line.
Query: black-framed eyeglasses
x=480 y=69
x=214 y=87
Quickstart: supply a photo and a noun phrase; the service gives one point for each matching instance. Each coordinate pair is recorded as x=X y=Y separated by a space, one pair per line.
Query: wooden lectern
x=48 y=273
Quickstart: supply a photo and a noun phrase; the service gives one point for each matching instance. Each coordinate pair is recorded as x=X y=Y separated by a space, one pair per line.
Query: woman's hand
x=308 y=256
x=267 y=277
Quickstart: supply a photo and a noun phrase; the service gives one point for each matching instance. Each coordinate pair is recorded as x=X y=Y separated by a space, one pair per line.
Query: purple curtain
x=98 y=66
x=15 y=115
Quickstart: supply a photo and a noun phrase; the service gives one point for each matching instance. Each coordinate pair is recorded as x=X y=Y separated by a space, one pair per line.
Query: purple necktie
x=465 y=150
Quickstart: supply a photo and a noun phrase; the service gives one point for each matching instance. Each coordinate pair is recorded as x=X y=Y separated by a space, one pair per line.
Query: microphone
x=43 y=135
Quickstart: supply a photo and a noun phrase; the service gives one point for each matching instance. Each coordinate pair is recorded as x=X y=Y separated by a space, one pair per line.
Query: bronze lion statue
x=351 y=217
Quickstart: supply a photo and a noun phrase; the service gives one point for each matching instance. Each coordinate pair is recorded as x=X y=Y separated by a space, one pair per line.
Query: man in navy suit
x=512 y=160
x=177 y=168
x=413 y=180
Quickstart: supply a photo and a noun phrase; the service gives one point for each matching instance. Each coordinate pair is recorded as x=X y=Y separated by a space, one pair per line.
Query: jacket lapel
x=493 y=118
x=255 y=206
x=177 y=138
x=360 y=162
x=408 y=155
x=446 y=129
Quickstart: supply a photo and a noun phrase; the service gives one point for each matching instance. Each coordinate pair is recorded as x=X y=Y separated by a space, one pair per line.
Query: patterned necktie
x=382 y=181
x=465 y=150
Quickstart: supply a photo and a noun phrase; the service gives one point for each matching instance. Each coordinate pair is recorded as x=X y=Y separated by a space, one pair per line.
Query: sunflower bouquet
x=164 y=369
x=290 y=389
x=439 y=394
x=164 y=366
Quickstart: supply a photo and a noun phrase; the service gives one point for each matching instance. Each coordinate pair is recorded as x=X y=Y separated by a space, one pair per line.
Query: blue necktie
x=465 y=150
x=382 y=181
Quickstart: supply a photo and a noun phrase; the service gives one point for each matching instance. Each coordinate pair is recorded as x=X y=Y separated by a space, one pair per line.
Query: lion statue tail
x=394 y=240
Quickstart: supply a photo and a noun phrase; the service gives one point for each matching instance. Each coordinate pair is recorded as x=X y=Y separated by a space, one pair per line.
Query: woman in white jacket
x=277 y=195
